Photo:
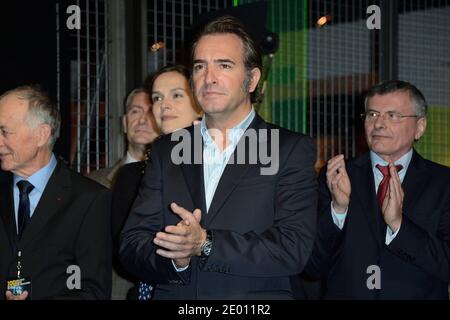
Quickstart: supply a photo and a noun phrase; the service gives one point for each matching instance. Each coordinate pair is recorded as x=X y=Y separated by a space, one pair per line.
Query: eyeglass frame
x=401 y=116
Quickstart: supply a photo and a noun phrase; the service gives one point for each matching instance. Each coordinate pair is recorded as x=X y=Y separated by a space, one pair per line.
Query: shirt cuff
x=338 y=218
x=179 y=269
x=390 y=235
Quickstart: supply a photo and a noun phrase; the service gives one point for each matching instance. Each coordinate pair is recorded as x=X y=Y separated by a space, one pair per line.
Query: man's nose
x=380 y=122
x=144 y=117
x=210 y=76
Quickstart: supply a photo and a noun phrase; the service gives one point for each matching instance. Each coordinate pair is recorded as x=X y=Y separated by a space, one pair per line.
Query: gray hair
x=41 y=110
x=131 y=96
x=390 y=86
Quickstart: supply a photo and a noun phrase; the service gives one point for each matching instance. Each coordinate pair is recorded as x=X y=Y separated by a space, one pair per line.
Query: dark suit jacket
x=125 y=190
x=70 y=226
x=415 y=265
x=263 y=225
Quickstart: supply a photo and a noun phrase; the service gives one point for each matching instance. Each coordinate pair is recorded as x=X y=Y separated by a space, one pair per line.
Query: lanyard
x=19 y=264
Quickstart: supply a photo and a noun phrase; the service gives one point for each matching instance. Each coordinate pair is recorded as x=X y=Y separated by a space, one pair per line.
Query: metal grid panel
x=89 y=89
x=168 y=22
x=284 y=101
x=341 y=67
x=424 y=60
x=318 y=74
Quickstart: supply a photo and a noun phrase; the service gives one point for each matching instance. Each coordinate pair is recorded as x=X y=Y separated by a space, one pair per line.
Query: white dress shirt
x=215 y=161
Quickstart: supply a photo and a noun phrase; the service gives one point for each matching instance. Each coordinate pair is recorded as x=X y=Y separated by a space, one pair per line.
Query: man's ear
x=421 y=127
x=255 y=77
x=124 y=123
x=43 y=132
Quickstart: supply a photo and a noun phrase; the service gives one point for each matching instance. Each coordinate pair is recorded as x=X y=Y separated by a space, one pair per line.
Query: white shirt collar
x=129 y=158
x=403 y=160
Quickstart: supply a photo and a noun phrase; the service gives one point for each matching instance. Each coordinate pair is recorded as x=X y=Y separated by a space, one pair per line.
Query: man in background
x=384 y=217
x=140 y=129
x=55 y=224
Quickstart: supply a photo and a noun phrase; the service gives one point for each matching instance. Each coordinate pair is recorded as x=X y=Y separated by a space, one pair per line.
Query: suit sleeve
x=93 y=252
x=284 y=248
x=137 y=251
x=428 y=251
x=125 y=191
x=328 y=237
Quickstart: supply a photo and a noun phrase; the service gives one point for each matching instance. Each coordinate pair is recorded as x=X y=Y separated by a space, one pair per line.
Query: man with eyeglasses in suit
x=384 y=217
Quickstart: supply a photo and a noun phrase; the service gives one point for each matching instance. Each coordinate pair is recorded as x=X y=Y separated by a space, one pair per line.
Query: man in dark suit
x=384 y=217
x=140 y=129
x=55 y=223
x=212 y=226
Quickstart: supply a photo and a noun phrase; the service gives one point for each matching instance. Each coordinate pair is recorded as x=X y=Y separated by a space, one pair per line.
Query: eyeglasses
x=390 y=116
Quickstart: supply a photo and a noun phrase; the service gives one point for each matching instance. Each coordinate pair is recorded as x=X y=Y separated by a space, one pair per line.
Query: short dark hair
x=181 y=69
x=390 y=86
x=252 y=51
x=41 y=109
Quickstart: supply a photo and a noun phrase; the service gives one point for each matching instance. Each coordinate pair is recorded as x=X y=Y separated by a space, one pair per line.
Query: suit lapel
x=364 y=189
x=112 y=173
x=193 y=173
x=7 y=207
x=227 y=183
x=55 y=195
x=413 y=183
x=232 y=175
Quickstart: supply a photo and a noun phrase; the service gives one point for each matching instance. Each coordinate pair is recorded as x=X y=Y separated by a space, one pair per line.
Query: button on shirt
x=339 y=218
x=39 y=180
x=215 y=160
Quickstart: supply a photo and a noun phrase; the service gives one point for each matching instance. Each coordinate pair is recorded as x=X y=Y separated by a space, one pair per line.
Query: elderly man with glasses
x=384 y=217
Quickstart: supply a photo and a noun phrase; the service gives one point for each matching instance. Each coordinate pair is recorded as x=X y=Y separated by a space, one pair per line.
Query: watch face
x=207 y=248
x=207 y=245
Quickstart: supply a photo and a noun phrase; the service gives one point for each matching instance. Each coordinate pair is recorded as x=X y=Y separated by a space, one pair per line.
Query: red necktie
x=382 y=188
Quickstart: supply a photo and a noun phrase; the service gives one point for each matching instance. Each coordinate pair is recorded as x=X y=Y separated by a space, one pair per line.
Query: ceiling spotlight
x=323 y=21
x=157 y=46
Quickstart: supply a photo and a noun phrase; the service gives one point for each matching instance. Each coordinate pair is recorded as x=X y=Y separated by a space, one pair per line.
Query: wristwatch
x=205 y=249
